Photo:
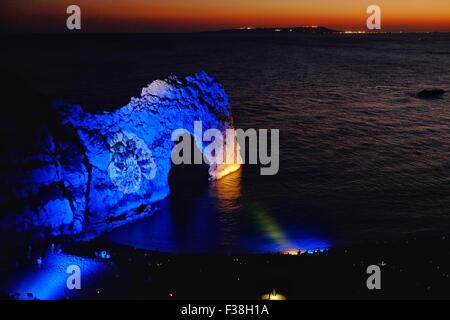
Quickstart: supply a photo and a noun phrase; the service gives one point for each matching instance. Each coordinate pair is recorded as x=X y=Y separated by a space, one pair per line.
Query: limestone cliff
x=88 y=171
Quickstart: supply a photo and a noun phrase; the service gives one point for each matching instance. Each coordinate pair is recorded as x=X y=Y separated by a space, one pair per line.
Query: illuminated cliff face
x=130 y=161
x=117 y=164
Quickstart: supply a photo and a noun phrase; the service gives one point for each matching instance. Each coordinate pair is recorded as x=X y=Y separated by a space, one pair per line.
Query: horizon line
x=248 y=28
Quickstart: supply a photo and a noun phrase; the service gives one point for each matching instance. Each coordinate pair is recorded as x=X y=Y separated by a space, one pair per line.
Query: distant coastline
x=304 y=29
x=311 y=30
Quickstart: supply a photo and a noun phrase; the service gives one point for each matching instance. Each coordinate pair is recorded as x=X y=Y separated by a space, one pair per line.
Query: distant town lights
x=354 y=32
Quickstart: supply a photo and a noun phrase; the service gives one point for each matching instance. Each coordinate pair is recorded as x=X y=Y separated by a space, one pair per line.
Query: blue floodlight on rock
x=95 y=170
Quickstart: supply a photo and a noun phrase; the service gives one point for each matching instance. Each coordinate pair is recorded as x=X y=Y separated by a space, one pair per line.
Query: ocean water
x=361 y=158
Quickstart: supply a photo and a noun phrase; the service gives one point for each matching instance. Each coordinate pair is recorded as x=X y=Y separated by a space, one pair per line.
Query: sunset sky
x=199 y=15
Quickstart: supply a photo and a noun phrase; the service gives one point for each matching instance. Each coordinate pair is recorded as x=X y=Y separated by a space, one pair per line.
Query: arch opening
x=188 y=178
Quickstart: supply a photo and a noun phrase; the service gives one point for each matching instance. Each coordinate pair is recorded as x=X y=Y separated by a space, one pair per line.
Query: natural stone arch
x=121 y=161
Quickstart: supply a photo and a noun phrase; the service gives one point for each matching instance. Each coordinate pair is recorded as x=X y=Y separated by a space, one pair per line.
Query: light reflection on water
x=217 y=218
x=227 y=192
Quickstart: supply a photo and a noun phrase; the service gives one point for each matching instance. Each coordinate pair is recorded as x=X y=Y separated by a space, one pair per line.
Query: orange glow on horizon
x=196 y=15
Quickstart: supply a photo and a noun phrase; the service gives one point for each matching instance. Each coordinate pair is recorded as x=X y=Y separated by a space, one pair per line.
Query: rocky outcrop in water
x=81 y=172
x=431 y=93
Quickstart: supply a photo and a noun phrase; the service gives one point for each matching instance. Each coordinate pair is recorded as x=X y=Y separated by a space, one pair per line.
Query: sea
x=362 y=158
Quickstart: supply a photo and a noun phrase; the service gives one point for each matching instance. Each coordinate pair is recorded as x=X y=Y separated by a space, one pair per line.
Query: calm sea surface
x=360 y=156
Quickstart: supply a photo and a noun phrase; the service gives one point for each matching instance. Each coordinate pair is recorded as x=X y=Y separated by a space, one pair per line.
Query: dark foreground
x=414 y=268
